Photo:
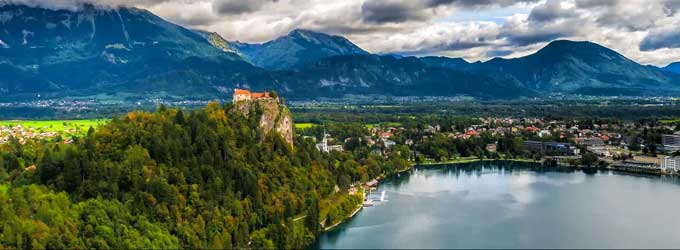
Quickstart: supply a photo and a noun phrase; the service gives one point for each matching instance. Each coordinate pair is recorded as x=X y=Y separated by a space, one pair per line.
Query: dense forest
x=205 y=178
x=211 y=178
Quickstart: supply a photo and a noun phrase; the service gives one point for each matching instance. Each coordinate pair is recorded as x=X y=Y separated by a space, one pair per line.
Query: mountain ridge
x=66 y=50
x=573 y=66
x=297 y=48
x=142 y=56
x=673 y=67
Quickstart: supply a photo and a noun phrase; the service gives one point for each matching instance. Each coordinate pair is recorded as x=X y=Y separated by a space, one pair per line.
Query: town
x=645 y=146
x=61 y=131
x=628 y=146
x=348 y=149
x=22 y=134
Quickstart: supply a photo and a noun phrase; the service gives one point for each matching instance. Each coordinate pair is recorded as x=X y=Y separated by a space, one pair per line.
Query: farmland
x=24 y=130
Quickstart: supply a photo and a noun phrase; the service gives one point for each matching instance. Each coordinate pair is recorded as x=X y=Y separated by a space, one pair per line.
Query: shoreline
x=473 y=160
x=465 y=161
x=331 y=227
x=413 y=165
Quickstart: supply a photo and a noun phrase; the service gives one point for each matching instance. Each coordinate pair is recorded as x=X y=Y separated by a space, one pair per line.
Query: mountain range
x=128 y=53
x=296 y=50
x=673 y=67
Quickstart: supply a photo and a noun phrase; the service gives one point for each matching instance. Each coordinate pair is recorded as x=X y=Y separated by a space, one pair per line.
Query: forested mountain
x=209 y=178
x=583 y=68
x=673 y=67
x=408 y=76
x=447 y=62
x=53 y=54
x=297 y=49
x=218 y=41
x=98 y=49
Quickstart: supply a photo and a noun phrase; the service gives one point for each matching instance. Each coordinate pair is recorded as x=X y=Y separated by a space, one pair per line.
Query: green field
x=667 y=121
x=304 y=125
x=66 y=127
x=384 y=125
x=3 y=188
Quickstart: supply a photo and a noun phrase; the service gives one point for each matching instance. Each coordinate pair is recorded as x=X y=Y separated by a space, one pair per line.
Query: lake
x=515 y=205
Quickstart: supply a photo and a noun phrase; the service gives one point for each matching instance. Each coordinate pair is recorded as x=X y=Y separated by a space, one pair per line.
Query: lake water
x=509 y=205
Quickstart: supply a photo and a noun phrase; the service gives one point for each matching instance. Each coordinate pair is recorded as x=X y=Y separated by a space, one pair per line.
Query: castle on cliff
x=246 y=95
x=274 y=115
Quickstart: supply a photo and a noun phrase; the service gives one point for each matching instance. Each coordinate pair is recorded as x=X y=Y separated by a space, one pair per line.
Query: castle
x=244 y=95
x=274 y=115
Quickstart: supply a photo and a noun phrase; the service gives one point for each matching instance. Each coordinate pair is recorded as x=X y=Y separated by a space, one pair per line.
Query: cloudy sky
x=647 y=31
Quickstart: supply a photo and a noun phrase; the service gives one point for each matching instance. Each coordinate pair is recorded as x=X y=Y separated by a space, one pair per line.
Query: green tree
x=313 y=217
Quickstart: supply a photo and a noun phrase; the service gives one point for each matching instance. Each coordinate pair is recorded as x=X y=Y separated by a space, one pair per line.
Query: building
x=532 y=129
x=492 y=147
x=338 y=148
x=648 y=159
x=534 y=146
x=244 y=95
x=669 y=163
x=555 y=148
x=636 y=165
x=671 y=142
x=471 y=133
x=323 y=145
x=389 y=144
x=600 y=151
x=591 y=141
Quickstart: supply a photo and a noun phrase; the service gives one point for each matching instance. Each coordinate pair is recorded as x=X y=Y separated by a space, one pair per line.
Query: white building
x=338 y=148
x=389 y=144
x=669 y=163
x=544 y=133
x=323 y=146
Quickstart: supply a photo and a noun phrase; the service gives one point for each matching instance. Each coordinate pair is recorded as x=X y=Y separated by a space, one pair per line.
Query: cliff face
x=273 y=116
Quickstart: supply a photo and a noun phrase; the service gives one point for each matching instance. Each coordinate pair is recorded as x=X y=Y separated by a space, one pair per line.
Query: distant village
x=23 y=134
x=616 y=145
x=551 y=141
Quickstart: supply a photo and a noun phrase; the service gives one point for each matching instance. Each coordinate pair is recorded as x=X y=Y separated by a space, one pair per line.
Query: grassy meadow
x=304 y=125
x=66 y=127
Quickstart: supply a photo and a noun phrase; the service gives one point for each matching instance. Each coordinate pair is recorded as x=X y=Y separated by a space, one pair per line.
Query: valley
x=221 y=124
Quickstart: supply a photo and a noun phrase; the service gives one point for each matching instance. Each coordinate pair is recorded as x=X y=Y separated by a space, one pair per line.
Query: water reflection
x=515 y=205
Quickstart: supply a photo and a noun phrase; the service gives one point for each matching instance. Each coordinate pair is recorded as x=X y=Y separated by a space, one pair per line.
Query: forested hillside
x=175 y=179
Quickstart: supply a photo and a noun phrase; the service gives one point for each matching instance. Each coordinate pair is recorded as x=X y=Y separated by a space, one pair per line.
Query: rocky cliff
x=273 y=116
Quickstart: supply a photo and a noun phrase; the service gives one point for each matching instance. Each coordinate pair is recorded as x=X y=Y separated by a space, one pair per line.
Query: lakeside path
x=326 y=229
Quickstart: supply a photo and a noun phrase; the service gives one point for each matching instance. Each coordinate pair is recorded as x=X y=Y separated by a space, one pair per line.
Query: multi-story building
x=554 y=148
x=590 y=141
x=671 y=142
x=669 y=163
